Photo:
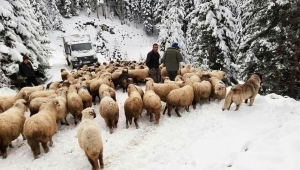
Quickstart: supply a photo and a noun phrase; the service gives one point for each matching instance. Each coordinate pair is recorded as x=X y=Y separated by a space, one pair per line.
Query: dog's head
x=260 y=77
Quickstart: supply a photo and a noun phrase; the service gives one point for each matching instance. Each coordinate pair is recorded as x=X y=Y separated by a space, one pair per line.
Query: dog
x=123 y=80
x=245 y=91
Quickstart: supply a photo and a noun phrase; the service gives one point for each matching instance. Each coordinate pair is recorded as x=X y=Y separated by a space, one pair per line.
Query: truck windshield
x=81 y=47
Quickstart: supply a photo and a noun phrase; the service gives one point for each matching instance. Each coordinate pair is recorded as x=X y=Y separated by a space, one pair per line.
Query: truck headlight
x=74 y=59
x=95 y=56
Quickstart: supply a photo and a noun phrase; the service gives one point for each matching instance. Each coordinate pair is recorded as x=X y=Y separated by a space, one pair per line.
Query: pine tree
x=270 y=44
x=147 y=15
x=159 y=10
x=55 y=16
x=170 y=29
x=21 y=33
x=211 y=34
x=42 y=13
x=116 y=54
x=75 y=7
x=67 y=12
x=136 y=11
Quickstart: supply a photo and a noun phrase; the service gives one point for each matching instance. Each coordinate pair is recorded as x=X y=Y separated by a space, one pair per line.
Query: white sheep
x=202 y=91
x=89 y=138
x=152 y=103
x=182 y=97
x=40 y=127
x=7 y=102
x=109 y=110
x=133 y=106
x=11 y=124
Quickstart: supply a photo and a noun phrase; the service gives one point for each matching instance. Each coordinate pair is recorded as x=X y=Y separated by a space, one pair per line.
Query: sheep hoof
x=5 y=156
x=223 y=109
x=110 y=131
x=11 y=146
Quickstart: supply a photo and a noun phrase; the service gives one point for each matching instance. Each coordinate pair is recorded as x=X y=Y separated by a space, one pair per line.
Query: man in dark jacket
x=171 y=60
x=27 y=72
x=152 y=63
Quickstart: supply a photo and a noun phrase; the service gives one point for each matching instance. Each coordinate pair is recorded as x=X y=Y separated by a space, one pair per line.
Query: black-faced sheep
x=89 y=138
x=11 y=124
x=109 y=110
x=40 y=127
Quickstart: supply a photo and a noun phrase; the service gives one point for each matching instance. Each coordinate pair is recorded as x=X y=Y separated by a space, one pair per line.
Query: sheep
x=109 y=111
x=75 y=104
x=7 y=102
x=162 y=90
x=11 y=124
x=139 y=89
x=89 y=138
x=105 y=87
x=185 y=69
x=198 y=73
x=85 y=95
x=218 y=88
x=186 y=94
x=202 y=91
x=41 y=127
x=53 y=85
x=179 y=83
x=36 y=103
x=95 y=85
x=30 y=90
x=41 y=94
x=123 y=80
x=133 y=107
x=64 y=74
x=163 y=73
x=62 y=112
x=217 y=73
x=152 y=103
x=138 y=75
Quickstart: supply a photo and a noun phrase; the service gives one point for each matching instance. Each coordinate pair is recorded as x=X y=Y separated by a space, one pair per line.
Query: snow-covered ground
x=265 y=136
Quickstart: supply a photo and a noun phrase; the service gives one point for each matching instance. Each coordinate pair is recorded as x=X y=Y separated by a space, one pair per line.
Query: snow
x=77 y=38
x=263 y=136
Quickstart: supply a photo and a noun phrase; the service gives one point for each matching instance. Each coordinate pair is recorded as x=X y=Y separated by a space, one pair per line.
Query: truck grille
x=85 y=59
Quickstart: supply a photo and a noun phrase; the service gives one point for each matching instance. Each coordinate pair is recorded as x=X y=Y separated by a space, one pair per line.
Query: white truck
x=78 y=50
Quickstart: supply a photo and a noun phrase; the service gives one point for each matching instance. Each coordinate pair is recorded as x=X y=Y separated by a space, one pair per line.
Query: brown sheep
x=105 y=87
x=75 y=104
x=202 y=91
x=85 y=95
x=152 y=103
x=36 y=103
x=11 y=124
x=7 y=102
x=41 y=127
x=218 y=88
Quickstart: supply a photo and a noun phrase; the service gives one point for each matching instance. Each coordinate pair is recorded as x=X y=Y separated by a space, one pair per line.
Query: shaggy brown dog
x=245 y=91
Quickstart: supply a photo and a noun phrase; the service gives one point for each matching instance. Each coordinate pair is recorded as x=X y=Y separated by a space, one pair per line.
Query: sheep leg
x=50 y=142
x=170 y=107
x=10 y=145
x=230 y=105
x=94 y=99
x=127 y=126
x=35 y=147
x=24 y=138
x=101 y=160
x=194 y=104
x=157 y=116
x=187 y=108
x=3 y=151
x=116 y=122
x=177 y=112
x=94 y=163
x=45 y=147
x=237 y=107
x=66 y=122
x=135 y=122
x=165 y=109
x=151 y=117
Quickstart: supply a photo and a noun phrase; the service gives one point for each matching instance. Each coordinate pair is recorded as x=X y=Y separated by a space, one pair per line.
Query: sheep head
x=88 y=113
x=22 y=104
x=219 y=88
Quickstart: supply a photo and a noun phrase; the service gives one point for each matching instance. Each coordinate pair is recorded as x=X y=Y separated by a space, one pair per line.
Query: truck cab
x=78 y=50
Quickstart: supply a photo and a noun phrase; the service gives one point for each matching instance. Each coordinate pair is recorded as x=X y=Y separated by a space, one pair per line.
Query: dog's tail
x=228 y=100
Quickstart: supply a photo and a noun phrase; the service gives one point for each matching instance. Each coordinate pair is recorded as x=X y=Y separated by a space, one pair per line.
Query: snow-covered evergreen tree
x=75 y=7
x=116 y=54
x=136 y=11
x=159 y=10
x=170 y=29
x=211 y=34
x=66 y=11
x=21 y=33
x=42 y=13
x=147 y=14
x=270 y=44
x=55 y=16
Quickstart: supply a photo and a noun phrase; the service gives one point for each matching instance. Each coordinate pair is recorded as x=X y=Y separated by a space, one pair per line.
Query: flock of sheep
x=79 y=89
